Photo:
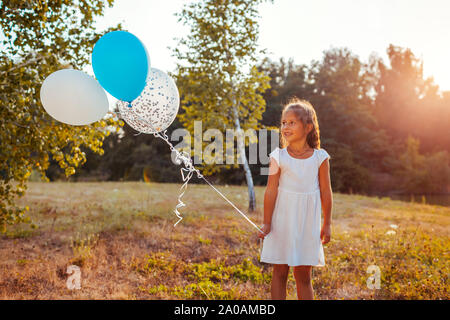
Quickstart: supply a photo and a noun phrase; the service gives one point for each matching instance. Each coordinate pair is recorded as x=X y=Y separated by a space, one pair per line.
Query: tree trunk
x=248 y=173
x=241 y=143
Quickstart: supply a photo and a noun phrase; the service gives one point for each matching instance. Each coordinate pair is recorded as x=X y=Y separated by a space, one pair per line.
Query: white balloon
x=156 y=107
x=73 y=97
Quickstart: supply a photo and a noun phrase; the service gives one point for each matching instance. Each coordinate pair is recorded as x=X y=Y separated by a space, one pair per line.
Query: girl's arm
x=326 y=197
x=270 y=195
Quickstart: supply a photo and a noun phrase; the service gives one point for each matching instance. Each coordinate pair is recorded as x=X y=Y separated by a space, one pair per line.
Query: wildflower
x=390 y=232
x=393 y=226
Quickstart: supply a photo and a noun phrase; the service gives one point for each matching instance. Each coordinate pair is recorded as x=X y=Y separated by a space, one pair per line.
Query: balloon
x=121 y=63
x=73 y=97
x=157 y=106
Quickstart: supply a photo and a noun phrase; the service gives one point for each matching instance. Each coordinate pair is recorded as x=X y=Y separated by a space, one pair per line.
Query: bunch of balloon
x=148 y=97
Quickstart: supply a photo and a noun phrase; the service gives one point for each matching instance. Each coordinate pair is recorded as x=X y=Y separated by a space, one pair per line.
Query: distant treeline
x=385 y=126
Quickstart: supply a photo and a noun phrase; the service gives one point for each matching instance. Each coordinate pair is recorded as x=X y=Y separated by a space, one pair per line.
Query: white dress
x=294 y=238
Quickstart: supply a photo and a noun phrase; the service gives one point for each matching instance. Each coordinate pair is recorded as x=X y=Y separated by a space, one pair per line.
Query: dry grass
x=122 y=237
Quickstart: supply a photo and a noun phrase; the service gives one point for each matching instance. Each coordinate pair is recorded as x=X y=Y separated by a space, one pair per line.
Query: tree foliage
x=217 y=73
x=417 y=172
x=38 y=38
x=407 y=104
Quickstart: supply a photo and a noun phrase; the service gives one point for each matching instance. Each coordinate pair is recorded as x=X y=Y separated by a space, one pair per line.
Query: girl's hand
x=325 y=233
x=266 y=229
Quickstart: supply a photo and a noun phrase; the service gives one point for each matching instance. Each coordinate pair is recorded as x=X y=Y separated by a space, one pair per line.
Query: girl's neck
x=298 y=147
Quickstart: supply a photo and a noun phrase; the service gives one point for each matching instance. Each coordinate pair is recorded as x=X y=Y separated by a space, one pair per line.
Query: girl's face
x=292 y=128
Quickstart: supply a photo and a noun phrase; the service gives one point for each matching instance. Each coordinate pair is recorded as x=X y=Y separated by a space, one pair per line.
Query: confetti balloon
x=157 y=106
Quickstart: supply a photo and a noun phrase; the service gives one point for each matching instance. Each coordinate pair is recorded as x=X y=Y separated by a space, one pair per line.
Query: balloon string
x=185 y=159
x=243 y=214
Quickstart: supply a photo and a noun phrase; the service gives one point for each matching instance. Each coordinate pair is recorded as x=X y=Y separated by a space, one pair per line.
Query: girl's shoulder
x=322 y=154
x=276 y=154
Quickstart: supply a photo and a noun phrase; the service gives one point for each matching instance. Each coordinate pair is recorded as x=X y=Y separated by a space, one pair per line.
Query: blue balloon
x=121 y=63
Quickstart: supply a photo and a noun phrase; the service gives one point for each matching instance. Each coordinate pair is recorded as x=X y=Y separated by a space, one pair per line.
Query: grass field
x=122 y=237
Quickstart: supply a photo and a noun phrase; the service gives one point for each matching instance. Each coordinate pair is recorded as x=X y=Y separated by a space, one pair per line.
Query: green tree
x=419 y=173
x=286 y=79
x=38 y=38
x=217 y=75
x=407 y=103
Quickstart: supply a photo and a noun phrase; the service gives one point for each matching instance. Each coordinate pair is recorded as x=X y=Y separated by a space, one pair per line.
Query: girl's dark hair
x=304 y=112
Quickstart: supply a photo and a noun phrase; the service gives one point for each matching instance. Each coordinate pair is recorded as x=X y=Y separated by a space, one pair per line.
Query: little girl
x=298 y=187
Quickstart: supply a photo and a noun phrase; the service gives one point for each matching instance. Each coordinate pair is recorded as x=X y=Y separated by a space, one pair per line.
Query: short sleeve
x=276 y=155
x=323 y=154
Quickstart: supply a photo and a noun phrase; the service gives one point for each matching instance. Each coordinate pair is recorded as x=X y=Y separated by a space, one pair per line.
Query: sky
x=302 y=30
